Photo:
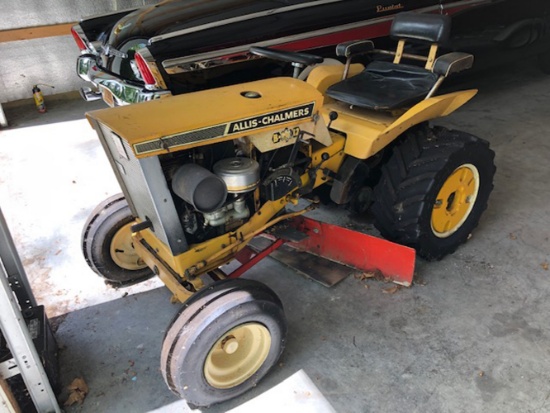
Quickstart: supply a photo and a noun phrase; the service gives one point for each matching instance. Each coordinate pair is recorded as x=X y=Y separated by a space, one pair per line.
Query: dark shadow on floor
x=63 y=107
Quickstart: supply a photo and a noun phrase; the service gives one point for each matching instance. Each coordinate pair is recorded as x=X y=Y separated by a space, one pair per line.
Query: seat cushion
x=385 y=86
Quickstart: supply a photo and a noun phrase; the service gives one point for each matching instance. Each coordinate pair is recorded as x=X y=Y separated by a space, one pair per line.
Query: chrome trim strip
x=146 y=54
x=172 y=65
x=81 y=34
x=123 y=93
x=241 y=18
x=153 y=67
x=90 y=46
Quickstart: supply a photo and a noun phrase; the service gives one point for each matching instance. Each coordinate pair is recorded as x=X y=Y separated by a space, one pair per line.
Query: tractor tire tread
x=401 y=196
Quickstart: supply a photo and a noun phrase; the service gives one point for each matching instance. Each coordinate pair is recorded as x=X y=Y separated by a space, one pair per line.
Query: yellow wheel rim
x=122 y=250
x=237 y=355
x=455 y=200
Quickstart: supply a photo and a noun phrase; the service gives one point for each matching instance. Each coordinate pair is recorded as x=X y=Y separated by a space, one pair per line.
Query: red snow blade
x=355 y=249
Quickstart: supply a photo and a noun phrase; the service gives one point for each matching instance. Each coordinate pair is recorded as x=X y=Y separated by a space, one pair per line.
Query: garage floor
x=471 y=335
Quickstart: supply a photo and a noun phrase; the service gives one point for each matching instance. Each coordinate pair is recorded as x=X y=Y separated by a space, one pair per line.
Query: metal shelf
x=15 y=298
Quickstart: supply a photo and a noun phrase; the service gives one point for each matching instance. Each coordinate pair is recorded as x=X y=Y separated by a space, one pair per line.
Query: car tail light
x=146 y=73
x=79 y=42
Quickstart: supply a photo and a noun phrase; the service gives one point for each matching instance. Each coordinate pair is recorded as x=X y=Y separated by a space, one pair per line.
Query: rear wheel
x=433 y=190
x=223 y=342
x=108 y=246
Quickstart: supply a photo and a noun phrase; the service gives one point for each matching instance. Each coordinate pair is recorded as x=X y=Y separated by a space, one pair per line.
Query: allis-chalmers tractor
x=202 y=174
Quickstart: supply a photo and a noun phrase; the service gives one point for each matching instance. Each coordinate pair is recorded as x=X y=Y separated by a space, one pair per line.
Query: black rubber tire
x=411 y=180
x=202 y=321
x=102 y=224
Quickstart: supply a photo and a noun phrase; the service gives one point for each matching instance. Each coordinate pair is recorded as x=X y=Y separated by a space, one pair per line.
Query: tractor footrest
x=328 y=253
x=322 y=270
x=287 y=233
x=325 y=272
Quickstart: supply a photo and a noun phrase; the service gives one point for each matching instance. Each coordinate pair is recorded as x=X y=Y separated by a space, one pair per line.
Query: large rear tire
x=107 y=244
x=223 y=342
x=433 y=190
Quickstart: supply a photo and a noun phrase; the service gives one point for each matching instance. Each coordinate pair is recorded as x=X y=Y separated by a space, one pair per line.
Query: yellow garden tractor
x=206 y=173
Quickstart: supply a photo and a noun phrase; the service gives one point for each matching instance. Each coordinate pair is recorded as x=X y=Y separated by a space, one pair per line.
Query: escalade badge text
x=393 y=7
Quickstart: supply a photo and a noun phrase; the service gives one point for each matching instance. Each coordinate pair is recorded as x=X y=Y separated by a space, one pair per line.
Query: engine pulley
x=280 y=183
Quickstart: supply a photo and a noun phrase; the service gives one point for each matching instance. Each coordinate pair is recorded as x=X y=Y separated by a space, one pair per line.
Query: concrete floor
x=471 y=335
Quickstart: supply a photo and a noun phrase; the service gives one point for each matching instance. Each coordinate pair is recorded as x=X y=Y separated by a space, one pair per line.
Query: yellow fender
x=432 y=108
x=368 y=131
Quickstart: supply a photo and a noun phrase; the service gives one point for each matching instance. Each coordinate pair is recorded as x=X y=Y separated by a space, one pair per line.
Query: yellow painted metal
x=206 y=109
x=269 y=141
x=431 y=57
x=122 y=250
x=324 y=76
x=193 y=262
x=237 y=355
x=164 y=272
x=455 y=201
x=210 y=254
x=368 y=131
x=333 y=163
x=399 y=52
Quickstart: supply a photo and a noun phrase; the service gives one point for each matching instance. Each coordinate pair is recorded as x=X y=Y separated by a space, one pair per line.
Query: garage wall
x=49 y=60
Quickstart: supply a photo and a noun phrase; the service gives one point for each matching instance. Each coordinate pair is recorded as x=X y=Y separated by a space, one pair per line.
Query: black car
x=179 y=46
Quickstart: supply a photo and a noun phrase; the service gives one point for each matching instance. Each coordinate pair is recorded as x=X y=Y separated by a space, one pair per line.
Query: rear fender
x=432 y=108
x=369 y=132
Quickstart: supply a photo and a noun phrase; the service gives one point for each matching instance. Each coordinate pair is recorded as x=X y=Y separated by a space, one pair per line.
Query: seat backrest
x=428 y=28
x=432 y=29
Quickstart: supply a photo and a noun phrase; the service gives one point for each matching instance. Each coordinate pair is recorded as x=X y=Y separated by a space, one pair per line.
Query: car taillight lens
x=79 y=42
x=146 y=73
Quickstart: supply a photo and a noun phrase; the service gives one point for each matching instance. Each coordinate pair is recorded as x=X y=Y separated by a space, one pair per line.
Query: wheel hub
x=122 y=250
x=237 y=355
x=455 y=200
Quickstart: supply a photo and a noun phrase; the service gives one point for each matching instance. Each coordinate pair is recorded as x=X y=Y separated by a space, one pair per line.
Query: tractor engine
x=217 y=188
x=206 y=169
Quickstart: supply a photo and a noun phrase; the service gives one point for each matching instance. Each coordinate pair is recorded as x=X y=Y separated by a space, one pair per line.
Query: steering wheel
x=298 y=60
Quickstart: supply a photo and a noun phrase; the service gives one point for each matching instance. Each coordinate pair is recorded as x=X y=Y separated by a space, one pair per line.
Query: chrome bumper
x=115 y=91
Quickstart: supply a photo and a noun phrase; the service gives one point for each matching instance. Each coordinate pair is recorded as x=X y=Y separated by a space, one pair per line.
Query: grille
x=180 y=139
x=146 y=190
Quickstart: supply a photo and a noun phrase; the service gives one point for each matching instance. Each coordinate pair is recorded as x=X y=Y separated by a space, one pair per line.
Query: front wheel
x=224 y=340
x=433 y=190
x=108 y=246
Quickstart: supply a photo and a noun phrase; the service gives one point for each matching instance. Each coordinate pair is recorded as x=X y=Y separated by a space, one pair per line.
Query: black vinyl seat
x=385 y=86
x=393 y=85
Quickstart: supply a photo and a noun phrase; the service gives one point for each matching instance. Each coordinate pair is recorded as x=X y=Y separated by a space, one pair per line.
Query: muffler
x=199 y=187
